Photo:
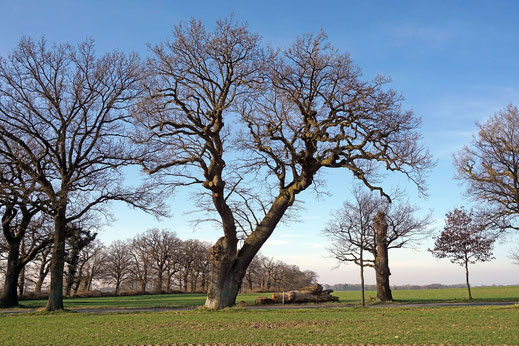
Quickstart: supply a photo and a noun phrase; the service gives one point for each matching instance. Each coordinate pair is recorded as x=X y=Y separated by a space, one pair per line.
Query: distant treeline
x=356 y=287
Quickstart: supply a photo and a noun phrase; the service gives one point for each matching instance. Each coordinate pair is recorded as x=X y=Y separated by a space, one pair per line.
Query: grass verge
x=437 y=325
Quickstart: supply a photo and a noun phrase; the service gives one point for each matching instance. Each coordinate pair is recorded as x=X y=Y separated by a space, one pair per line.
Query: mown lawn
x=183 y=300
x=384 y=325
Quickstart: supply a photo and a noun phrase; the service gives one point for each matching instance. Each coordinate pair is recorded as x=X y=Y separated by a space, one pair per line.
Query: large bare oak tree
x=62 y=121
x=212 y=94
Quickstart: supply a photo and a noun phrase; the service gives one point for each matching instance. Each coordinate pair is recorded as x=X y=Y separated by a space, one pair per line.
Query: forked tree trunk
x=382 y=259
x=230 y=266
x=10 y=293
x=57 y=263
x=467 y=278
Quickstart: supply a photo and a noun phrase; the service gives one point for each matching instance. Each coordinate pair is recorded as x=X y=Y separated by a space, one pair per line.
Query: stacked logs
x=310 y=294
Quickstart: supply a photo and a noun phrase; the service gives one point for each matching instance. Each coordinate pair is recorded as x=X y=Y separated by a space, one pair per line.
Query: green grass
x=385 y=325
x=502 y=293
x=353 y=297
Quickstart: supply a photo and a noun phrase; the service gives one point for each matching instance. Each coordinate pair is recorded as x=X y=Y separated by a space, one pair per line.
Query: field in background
x=380 y=325
x=507 y=293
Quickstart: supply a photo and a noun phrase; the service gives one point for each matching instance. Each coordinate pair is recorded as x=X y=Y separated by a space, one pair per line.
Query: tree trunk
x=382 y=259
x=226 y=281
x=467 y=279
x=42 y=273
x=362 y=295
x=117 y=284
x=10 y=293
x=230 y=266
x=363 y=298
x=57 y=263
x=21 y=281
x=80 y=278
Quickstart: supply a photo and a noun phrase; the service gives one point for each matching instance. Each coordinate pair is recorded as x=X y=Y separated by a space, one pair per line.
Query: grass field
x=378 y=324
x=183 y=300
x=385 y=325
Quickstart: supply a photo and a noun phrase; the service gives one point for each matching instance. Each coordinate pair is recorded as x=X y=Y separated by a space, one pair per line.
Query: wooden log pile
x=311 y=294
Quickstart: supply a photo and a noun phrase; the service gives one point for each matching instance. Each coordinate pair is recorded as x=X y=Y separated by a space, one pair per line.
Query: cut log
x=311 y=294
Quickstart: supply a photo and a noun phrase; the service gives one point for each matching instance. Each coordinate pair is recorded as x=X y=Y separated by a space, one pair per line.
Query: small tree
x=463 y=241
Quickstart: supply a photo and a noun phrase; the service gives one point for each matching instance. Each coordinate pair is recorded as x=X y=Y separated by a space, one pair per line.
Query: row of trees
x=156 y=261
x=251 y=127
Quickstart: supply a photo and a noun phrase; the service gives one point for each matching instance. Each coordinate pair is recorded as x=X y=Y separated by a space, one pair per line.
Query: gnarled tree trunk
x=382 y=259
x=230 y=265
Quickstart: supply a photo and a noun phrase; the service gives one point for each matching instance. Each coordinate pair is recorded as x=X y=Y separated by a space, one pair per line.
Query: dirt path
x=269 y=307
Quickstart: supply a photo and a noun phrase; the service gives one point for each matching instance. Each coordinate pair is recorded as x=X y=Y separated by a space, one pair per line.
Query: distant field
x=380 y=325
x=183 y=300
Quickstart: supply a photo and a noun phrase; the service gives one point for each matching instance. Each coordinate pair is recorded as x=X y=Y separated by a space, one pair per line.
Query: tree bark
x=467 y=279
x=382 y=260
x=57 y=263
x=10 y=293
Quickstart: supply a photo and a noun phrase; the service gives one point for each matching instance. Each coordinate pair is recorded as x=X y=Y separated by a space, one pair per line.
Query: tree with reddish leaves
x=463 y=241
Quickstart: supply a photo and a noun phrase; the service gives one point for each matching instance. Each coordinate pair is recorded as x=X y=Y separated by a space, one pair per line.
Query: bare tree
x=42 y=264
x=94 y=268
x=301 y=110
x=490 y=168
x=463 y=241
x=117 y=267
x=22 y=228
x=162 y=245
x=355 y=238
x=140 y=253
x=62 y=121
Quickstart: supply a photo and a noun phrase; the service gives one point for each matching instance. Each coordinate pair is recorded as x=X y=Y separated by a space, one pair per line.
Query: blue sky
x=456 y=63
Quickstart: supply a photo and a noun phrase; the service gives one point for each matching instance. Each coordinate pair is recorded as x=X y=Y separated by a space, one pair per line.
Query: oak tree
x=63 y=114
x=490 y=168
x=219 y=105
